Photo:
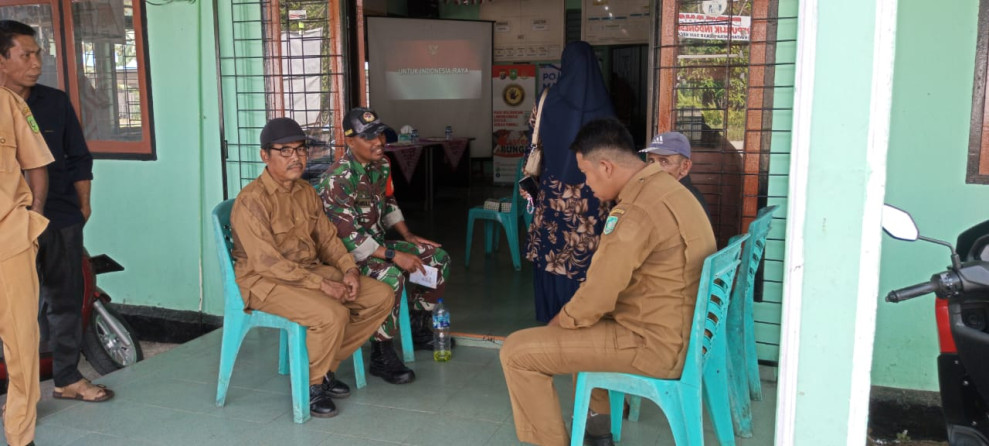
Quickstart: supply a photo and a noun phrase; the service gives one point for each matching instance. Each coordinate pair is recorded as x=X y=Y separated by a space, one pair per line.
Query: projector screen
x=431 y=74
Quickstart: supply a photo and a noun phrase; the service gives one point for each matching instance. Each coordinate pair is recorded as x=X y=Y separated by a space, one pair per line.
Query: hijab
x=578 y=97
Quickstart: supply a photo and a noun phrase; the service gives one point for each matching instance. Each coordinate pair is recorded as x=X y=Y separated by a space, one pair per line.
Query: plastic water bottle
x=448 y=133
x=441 y=333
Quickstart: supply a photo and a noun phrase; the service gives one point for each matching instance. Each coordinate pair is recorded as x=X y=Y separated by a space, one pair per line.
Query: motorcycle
x=108 y=341
x=962 y=314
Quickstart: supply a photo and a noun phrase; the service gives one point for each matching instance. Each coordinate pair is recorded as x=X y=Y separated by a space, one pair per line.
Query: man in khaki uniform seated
x=21 y=147
x=290 y=262
x=633 y=313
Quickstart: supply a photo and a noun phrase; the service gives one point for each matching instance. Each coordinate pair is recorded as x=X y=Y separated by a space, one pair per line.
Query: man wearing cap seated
x=671 y=150
x=357 y=196
x=290 y=262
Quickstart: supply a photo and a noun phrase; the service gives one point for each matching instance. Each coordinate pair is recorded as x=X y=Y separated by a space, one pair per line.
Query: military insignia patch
x=609 y=224
x=368 y=117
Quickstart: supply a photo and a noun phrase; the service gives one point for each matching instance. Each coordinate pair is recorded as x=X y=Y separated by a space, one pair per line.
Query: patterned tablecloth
x=407 y=155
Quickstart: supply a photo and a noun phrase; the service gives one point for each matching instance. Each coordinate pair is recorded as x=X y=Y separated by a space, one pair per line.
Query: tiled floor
x=169 y=399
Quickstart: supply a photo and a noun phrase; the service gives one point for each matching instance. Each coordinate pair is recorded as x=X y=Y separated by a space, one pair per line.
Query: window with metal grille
x=723 y=76
x=279 y=58
x=102 y=49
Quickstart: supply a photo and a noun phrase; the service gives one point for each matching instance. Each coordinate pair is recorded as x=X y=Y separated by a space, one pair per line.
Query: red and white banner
x=714 y=27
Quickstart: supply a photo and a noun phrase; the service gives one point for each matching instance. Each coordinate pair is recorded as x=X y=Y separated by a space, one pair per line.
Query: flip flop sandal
x=107 y=394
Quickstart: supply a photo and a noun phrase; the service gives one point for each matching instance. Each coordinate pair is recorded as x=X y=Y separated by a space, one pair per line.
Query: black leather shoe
x=599 y=440
x=386 y=364
x=320 y=404
x=598 y=431
x=334 y=387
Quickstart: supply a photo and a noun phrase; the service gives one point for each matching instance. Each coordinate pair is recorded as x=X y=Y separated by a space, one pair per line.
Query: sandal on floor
x=66 y=394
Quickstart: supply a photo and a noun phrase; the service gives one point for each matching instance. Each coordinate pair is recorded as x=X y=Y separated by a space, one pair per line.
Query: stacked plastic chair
x=508 y=219
x=293 y=358
x=742 y=356
x=704 y=374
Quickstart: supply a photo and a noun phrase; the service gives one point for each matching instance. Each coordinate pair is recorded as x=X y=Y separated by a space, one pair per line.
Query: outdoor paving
x=169 y=399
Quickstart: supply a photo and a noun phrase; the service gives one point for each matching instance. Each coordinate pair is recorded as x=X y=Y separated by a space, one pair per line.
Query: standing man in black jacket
x=60 y=247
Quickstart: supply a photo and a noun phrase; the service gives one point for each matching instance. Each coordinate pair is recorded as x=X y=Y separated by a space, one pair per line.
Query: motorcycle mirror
x=899 y=224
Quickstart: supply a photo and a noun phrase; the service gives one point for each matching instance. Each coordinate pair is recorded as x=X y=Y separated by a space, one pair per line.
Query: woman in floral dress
x=568 y=218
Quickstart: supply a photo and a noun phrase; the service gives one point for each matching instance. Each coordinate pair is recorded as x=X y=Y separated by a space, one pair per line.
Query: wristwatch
x=389 y=254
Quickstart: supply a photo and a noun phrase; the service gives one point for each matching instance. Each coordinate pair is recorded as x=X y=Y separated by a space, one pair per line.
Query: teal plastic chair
x=508 y=220
x=293 y=358
x=743 y=359
x=704 y=369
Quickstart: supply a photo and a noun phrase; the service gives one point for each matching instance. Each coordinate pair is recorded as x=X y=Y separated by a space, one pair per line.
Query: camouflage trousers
x=420 y=297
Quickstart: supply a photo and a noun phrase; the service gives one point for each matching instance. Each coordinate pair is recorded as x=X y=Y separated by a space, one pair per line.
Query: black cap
x=281 y=131
x=363 y=122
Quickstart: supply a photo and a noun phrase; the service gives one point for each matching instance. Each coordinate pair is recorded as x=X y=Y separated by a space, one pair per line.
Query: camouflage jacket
x=354 y=199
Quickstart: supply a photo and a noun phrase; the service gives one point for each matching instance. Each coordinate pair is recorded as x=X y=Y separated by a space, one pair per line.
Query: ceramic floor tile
x=417 y=397
x=504 y=436
x=343 y=440
x=51 y=434
x=448 y=430
x=94 y=439
x=241 y=403
x=486 y=405
x=375 y=422
x=169 y=400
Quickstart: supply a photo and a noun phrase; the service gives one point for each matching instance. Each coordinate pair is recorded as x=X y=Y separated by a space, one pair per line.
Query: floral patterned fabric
x=566 y=228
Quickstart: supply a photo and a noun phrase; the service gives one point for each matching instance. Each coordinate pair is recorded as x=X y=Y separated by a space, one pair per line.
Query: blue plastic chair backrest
x=225 y=244
x=711 y=310
x=752 y=252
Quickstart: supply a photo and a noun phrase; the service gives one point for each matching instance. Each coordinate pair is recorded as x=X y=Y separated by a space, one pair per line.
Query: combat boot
x=386 y=364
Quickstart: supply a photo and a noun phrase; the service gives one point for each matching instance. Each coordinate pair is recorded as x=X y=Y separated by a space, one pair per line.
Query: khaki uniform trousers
x=19 y=331
x=532 y=356
x=335 y=329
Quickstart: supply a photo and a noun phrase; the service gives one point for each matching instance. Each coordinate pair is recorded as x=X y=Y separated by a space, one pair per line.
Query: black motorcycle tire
x=93 y=347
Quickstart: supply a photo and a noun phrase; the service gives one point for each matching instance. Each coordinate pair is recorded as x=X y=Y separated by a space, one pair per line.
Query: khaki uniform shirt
x=280 y=235
x=646 y=271
x=21 y=147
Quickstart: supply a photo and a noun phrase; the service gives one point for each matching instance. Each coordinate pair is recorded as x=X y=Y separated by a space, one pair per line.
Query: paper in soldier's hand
x=427 y=280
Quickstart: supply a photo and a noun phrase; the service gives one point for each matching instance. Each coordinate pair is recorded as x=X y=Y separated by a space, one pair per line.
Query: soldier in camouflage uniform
x=356 y=193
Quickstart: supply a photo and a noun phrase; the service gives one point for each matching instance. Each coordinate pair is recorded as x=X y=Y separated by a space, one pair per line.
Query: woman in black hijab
x=568 y=218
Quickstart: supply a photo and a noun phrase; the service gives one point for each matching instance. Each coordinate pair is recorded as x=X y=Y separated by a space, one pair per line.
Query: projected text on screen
x=433 y=69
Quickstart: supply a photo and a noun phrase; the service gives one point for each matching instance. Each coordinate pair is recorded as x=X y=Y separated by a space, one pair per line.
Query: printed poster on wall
x=548 y=75
x=513 y=94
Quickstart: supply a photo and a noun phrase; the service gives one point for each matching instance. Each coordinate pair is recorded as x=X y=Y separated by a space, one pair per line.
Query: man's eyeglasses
x=300 y=150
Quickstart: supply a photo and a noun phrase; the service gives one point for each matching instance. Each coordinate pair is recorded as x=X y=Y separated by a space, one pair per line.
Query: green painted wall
x=932 y=100
x=767 y=313
x=152 y=216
